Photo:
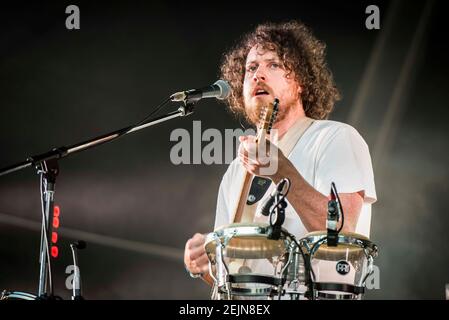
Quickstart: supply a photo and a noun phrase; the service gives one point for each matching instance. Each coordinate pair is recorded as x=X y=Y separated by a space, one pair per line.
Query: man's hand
x=263 y=159
x=195 y=257
x=310 y=204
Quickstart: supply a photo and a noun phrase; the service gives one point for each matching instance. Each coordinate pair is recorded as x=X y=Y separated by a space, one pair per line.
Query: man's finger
x=197 y=252
x=244 y=159
x=197 y=240
x=202 y=260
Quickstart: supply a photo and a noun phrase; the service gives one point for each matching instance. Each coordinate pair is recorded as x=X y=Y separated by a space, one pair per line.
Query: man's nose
x=259 y=75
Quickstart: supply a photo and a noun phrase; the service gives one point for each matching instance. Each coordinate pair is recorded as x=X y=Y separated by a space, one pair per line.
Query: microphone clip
x=276 y=214
x=76 y=284
x=333 y=217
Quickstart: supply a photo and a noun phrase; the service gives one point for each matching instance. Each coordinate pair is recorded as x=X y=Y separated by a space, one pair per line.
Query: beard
x=253 y=110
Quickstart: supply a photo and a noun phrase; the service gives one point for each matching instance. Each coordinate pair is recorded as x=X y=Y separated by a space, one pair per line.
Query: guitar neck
x=267 y=119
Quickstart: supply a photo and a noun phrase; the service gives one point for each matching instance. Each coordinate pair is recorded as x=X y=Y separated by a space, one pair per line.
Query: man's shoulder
x=330 y=128
x=329 y=133
x=331 y=125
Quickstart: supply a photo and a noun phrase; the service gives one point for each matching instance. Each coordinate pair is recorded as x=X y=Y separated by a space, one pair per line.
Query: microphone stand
x=46 y=165
x=61 y=152
x=48 y=170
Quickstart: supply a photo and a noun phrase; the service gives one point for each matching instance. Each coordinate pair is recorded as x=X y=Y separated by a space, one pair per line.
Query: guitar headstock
x=267 y=117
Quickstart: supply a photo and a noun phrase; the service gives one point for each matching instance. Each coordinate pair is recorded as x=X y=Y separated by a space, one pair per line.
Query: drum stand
x=221 y=282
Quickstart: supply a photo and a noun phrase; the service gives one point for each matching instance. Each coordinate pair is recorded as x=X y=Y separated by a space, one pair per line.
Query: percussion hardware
x=245 y=263
x=309 y=275
x=222 y=269
x=350 y=247
x=331 y=296
x=284 y=272
x=339 y=287
x=250 y=278
x=370 y=263
x=278 y=211
x=254 y=292
x=334 y=212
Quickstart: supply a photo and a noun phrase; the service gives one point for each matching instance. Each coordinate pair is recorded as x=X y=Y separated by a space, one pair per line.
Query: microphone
x=333 y=216
x=268 y=203
x=77 y=277
x=220 y=90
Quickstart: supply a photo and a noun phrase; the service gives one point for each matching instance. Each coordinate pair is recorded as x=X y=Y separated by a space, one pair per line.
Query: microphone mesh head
x=225 y=89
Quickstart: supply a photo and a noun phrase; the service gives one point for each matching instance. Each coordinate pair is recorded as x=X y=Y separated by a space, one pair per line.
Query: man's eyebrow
x=265 y=60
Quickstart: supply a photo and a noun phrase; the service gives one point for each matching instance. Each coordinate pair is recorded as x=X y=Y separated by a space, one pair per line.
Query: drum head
x=350 y=244
x=339 y=271
x=247 y=241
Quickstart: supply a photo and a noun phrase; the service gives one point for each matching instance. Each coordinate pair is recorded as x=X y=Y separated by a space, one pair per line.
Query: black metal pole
x=48 y=170
x=47 y=166
x=61 y=152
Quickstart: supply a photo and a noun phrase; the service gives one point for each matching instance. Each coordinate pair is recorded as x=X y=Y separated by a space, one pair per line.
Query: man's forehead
x=257 y=54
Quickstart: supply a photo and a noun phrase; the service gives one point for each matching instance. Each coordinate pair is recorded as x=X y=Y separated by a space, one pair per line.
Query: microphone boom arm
x=62 y=152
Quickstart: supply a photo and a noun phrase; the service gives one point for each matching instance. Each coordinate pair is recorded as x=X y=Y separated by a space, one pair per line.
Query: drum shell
x=247 y=251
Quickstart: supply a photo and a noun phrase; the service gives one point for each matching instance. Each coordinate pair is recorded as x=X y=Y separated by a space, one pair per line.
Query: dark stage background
x=134 y=207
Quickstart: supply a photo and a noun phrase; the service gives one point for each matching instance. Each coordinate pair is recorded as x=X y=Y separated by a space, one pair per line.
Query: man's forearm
x=309 y=203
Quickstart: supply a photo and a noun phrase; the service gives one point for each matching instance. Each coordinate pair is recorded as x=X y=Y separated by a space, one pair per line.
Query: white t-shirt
x=328 y=151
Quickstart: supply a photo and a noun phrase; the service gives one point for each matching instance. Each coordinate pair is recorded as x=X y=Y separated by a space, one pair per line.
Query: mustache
x=261 y=87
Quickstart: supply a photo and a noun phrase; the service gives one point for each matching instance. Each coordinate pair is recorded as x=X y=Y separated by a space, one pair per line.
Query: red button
x=54 y=251
x=56 y=211
x=55 y=222
x=54 y=237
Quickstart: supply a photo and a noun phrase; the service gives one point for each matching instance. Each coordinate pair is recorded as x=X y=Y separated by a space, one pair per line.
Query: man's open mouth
x=261 y=92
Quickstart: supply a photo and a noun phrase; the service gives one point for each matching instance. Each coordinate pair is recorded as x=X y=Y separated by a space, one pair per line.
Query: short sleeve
x=345 y=159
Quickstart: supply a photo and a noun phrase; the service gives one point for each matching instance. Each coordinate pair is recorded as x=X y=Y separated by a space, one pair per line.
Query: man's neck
x=292 y=117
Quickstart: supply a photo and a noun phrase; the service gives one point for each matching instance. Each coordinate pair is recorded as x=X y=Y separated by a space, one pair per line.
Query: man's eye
x=274 y=65
x=251 y=69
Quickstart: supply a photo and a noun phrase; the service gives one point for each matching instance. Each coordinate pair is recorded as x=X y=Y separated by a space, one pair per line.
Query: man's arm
x=195 y=258
x=311 y=205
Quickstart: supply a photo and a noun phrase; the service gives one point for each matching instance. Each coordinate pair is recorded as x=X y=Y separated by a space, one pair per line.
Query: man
x=287 y=62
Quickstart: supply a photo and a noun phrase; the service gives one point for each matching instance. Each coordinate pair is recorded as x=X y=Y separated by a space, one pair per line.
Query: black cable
x=278 y=203
x=320 y=242
x=340 y=207
x=159 y=107
x=308 y=267
x=315 y=247
x=307 y=262
x=126 y=131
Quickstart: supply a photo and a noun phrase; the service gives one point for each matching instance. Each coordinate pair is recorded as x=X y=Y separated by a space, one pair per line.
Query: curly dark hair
x=301 y=53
